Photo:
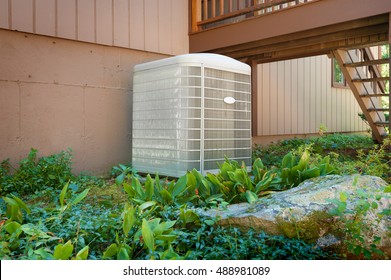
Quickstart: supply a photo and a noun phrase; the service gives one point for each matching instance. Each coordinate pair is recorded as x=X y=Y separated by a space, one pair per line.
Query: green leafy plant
x=34 y=238
x=35 y=174
x=156 y=218
x=188 y=217
x=213 y=242
x=153 y=235
x=294 y=170
x=237 y=185
x=344 y=144
x=355 y=228
x=375 y=161
x=74 y=201
x=14 y=208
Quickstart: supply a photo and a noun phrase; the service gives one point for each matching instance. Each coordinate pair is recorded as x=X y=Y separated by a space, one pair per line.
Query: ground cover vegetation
x=46 y=212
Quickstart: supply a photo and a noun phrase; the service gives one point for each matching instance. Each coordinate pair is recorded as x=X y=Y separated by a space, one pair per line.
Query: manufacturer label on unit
x=229 y=100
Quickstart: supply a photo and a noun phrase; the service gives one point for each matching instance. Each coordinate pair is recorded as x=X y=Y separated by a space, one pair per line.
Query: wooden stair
x=361 y=71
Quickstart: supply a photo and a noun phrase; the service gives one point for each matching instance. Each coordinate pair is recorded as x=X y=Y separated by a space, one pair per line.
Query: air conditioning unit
x=190 y=111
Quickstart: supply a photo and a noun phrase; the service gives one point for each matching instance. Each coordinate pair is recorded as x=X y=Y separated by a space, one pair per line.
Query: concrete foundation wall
x=57 y=94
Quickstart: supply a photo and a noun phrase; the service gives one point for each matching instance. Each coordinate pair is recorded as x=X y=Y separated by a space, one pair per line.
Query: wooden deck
x=266 y=30
x=260 y=31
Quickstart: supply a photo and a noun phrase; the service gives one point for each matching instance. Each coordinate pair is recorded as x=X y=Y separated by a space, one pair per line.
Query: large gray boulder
x=304 y=211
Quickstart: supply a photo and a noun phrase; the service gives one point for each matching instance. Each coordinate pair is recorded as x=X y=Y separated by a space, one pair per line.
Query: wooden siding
x=296 y=97
x=149 y=25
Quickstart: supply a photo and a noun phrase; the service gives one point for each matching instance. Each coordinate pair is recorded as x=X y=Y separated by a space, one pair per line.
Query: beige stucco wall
x=67 y=81
x=57 y=94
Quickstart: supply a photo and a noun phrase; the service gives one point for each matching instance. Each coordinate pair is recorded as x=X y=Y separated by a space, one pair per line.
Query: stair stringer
x=362 y=88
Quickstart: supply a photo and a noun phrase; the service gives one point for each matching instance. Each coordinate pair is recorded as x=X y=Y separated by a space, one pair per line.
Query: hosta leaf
x=120 y=179
x=191 y=181
x=224 y=168
x=10 y=201
x=310 y=173
x=304 y=160
x=80 y=197
x=287 y=161
x=166 y=237
x=147 y=204
x=236 y=176
x=214 y=197
x=213 y=179
x=169 y=254
x=264 y=183
x=258 y=163
x=63 y=208
x=169 y=224
x=169 y=185
x=294 y=176
x=13 y=211
x=251 y=197
x=202 y=183
x=166 y=196
x=123 y=254
x=12 y=227
x=123 y=167
x=147 y=234
x=234 y=163
x=154 y=223
x=128 y=189
x=63 y=251
x=21 y=203
x=149 y=188
x=110 y=251
x=82 y=254
x=129 y=219
x=63 y=193
x=138 y=201
x=158 y=185
x=325 y=167
x=265 y=193
x=258 y=173
x=285 y=173
x=180 y=186
x=137 y=187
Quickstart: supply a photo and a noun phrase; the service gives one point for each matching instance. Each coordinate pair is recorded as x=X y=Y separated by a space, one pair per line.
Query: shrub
x=346 y=144
x=356 y=229
x=375 y=161
x=35 y=174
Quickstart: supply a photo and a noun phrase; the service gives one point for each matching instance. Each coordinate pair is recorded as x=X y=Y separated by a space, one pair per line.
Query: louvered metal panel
x=191 y=111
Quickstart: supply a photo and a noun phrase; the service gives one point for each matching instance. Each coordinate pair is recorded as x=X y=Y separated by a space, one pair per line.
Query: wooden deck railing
x=210 y=13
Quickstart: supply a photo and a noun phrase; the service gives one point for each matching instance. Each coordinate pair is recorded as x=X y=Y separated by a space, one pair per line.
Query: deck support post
x=254 y=97
x=389 y=74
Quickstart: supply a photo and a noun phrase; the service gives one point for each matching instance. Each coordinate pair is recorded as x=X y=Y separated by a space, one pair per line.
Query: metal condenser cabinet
x=190 y=111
